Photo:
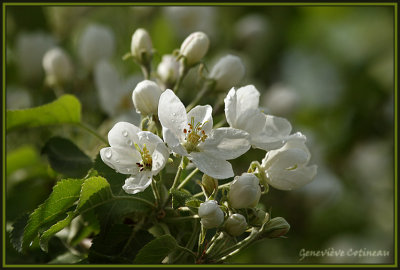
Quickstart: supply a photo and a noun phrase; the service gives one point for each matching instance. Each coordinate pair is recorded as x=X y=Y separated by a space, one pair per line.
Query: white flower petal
x=160 y=158
x=274 y=134
x=230 y=107
x=172 y=113
x=252 y=121
x=291 y=179
x=226 y=143
x=123 y=160
x=284 y=159
x=137 y=183
x=217 y=168
x=150 y=139
x=123 y=134
x=202 y=114
x=241 y=106
x=173 y=142
x=247 y=98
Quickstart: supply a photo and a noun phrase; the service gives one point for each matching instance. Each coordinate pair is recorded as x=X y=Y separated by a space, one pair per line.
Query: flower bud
x=211 y=215
x=236 y=224
x=97 y=42
x=145 y=97
x=141 y=46
x=276 y=227
x=227 y=72
x=194 y=47
x=209 y=184
x=286 y=168
x=244 y=191
x=57 y=66
x=168 y=70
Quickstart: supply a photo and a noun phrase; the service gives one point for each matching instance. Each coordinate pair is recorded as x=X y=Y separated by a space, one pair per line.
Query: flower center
x=146 y=162
x=194 y=135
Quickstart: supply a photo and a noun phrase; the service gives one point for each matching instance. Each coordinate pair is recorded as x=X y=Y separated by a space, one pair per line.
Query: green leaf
x=156 y=250
x=66 y=158
x=119 y=245
x=66 y=109
x=94 y=191
x=22 y=157
x=18 y=231
x=45 y=237
x=65 y=194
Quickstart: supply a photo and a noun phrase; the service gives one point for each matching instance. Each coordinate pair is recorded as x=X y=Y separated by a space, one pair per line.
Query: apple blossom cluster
x=171 y=131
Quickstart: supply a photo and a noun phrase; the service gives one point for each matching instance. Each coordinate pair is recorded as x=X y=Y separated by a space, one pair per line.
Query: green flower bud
x=236 y=224
x=276 y=227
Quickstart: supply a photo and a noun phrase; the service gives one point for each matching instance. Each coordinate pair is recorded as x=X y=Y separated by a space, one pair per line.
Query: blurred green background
x=327 y=69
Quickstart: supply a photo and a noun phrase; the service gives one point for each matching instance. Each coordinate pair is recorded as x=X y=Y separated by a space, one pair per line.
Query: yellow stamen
x=194 y=135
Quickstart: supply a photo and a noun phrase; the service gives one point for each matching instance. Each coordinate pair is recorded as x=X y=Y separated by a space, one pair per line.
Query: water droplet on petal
x=174 y=114
x=125 y=133
x=128 y=170
x=117 y=161
x=129 y=142
x=108 y=153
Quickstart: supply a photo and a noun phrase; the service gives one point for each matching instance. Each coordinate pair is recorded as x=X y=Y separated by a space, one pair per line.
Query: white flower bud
x=194 y=47
x=286 y=168
x=141 y=46
x=244 y=191
x=168 y=69
x=145 y=97
x=227 y=72
x=96 y=43
x=57 y=66
x=236 y=224
x=211 y=215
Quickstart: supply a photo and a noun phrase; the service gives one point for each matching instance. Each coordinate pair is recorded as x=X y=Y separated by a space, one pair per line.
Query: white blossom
x=191 y=135
x=96 y=42
x=141 y=154
x=236 y=224
x=241 y=110
x=145 y=97
x=287 y=168
x=244 y=191
x=57 y=66
x=195 y=47
x=211 y=215
x=227 y=72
